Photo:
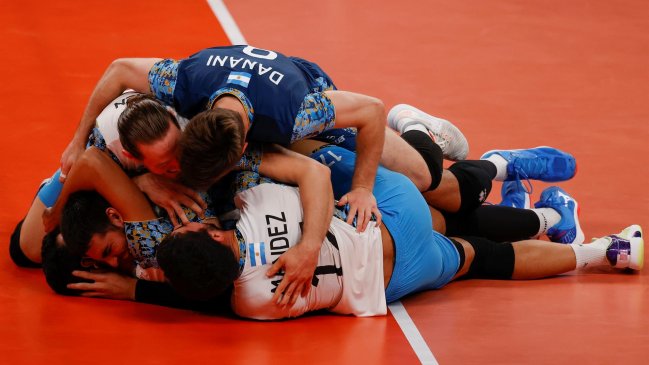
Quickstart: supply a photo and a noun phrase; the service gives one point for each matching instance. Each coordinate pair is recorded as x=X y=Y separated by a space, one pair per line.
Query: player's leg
x=26 y=241
x=555 y=215
x=534 y=259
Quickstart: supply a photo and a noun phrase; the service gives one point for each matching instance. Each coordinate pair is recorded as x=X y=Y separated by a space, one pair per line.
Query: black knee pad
x=460 y=251
x=16 y=253
x=474 y=178
x=429 y=151
x=492 y=260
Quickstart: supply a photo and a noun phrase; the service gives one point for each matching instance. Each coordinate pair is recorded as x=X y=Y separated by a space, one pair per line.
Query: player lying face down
x=359 y=273
x=95 y=172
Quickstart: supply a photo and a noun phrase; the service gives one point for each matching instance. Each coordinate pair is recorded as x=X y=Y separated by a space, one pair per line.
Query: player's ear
x=115 y=217
x=129 y=155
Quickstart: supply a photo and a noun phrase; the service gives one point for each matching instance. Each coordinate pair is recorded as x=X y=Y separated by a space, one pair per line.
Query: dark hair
x=144 y=120
x=84 y=215
x=196 y=266
x=58 y=264
x=212 y=143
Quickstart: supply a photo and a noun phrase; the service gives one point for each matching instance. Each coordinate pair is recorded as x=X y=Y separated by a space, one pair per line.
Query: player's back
x=270 y=224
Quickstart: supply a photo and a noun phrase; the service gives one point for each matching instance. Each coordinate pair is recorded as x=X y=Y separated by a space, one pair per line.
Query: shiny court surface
x=510 y=74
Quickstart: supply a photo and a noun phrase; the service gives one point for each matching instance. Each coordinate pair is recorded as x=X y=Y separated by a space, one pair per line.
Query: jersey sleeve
x=316 y=115
x=251 y=159
x=143 y=239
x=162 y=80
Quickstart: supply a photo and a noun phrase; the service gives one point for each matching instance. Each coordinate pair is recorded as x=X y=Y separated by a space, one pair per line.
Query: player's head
x=92 y=228
x=212 y=144
x=197 y=261
x=58 y=264
x=150 y=133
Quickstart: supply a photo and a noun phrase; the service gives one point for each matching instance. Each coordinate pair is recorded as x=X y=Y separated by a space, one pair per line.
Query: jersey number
x=259 y=53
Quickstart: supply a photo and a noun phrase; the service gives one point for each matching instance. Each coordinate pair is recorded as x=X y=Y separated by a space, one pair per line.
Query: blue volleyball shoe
x=447 y=136
x=515 y=195
x=540 y=163
x=568 y=229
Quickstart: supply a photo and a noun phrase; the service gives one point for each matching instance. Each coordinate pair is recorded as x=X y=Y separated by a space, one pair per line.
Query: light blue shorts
x=424 y=259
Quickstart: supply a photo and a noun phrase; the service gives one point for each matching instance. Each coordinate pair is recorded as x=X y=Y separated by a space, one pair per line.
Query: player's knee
x=474 y=182
x=430 y=175
x=491 y=260
x=16 y=252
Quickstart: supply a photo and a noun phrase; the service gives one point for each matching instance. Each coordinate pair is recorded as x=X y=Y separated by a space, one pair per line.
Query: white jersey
x=349 y=275
x=107 y=124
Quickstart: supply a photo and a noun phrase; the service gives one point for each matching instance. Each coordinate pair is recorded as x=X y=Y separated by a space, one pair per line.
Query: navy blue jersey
x=275 y=90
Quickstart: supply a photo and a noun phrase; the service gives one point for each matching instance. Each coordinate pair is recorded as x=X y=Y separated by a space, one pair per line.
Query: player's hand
x=50 y=220
x=150 y=274
x=298 y=264
x=171 y=196
x=108 y=285
x=69 y=157
x=362 y=205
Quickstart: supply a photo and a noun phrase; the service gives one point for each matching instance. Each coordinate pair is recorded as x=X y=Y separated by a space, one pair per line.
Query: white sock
x=548 y=218
x=501 y=166
x=416 y=127
x=591 y=254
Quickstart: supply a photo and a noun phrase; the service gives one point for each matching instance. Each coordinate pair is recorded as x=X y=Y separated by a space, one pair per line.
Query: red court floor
x=511 y=74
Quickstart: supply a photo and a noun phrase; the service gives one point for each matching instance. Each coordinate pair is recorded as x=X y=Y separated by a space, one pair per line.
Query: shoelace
x=527 y=164
x=442 y=140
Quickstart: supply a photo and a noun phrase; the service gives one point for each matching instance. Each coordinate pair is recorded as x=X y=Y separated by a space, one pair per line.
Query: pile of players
x=241 y=177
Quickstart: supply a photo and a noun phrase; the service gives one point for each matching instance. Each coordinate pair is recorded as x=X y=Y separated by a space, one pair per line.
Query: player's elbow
x=375 y=113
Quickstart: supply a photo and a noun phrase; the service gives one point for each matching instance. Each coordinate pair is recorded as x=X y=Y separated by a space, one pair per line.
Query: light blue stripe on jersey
x=251 y=251
x=262 y=252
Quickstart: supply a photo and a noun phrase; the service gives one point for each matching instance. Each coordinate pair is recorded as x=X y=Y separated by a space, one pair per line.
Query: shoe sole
x=636 y=262
x=579 y=237
x=459 y=140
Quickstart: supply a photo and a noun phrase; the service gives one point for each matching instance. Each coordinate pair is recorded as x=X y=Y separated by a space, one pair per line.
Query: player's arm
x=313 y=180
x=122 y=74
x=94 y=170
x=114 y=285
x=367 y=114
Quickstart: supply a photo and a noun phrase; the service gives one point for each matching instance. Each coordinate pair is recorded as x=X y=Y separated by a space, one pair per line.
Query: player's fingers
x=193 y=195
x=181 y=214
x=276 y=267
x=279 y=291
x=367 y=216
x=189 y=203
x=288 y=294
x=342 y=201
x=351 y=214
x=296 y=294
x=86 y=275
x=171 y=213
x=81 y=286
x=306 y=288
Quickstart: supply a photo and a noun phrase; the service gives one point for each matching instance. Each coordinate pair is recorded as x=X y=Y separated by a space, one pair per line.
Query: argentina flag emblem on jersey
x=239 y=78
x=257 y=252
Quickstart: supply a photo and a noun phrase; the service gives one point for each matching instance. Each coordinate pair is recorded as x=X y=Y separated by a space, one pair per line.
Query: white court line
x=227 y=22
x=412 y=334
x=398 y=310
